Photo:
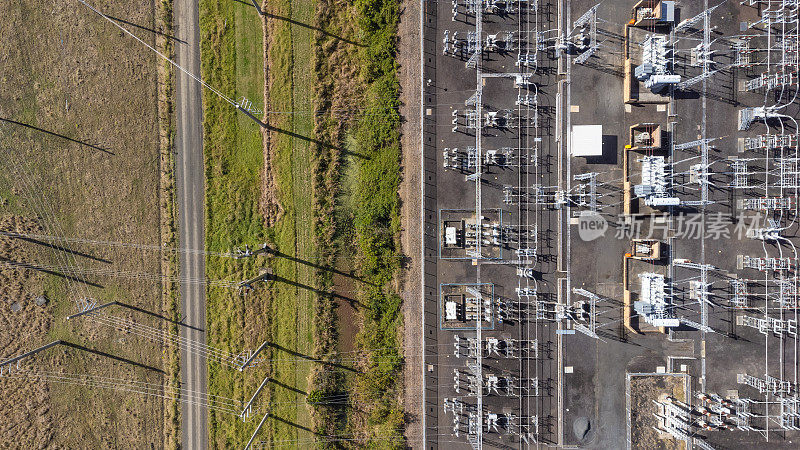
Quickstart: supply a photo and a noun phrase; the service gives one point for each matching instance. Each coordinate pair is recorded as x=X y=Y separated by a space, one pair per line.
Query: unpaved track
x=410 y=192
x=191 y=192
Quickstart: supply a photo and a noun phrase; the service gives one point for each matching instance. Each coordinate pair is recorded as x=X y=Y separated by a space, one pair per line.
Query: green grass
x=291 y=313
x=232 y=62
x=283 y=314
x=291 y=306
x=377 y=222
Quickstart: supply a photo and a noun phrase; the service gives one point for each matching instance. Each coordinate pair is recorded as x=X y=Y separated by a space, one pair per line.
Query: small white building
x=586 y=140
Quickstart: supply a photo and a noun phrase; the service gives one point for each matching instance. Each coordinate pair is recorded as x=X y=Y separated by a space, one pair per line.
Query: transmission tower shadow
x=304 y=25
x=312 y=27
x=300 y=136
x=16 y=359
x=159 y=316
x=296 y=425
x=352 y=301
x=2 y=119
x=135 y=308
x=320 y=143
x=173 y=38
x=286 y=386
x=110 y=356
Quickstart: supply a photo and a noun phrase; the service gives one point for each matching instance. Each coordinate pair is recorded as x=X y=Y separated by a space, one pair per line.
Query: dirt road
x=409 y=56
x=191 y=192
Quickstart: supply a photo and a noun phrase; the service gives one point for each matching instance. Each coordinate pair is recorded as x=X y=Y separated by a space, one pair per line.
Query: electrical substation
x=611 y=204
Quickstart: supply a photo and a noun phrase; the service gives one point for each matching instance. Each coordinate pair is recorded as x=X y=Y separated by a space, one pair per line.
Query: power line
x=160 y=248
x=178 y=66
x=80 y=272
x=44 y=237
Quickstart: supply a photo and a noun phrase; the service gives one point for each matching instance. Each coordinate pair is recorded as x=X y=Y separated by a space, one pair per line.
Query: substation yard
x=79 y=144
x=610 y=212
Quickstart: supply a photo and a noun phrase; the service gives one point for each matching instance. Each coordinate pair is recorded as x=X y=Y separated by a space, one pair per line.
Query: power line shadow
x=24 y=265
x=55 y=247
x=57 y=135
x=304 y=356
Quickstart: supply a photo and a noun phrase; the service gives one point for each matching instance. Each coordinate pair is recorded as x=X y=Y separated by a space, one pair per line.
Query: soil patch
x=644 y=391
x=346 y=313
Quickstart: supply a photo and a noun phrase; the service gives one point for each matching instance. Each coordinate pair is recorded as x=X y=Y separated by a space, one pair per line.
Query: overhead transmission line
x=213 y=401
x=80 y=272
x=44 y=237
x=162 y=336
x=235 y=104
x=233 y=360
x=167 y=389
x=137 y=387
x=160 y=248
x=165 y=57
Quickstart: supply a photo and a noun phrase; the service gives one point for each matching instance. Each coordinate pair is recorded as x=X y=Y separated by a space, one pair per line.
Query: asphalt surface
x=191 y=192
x=582 y=379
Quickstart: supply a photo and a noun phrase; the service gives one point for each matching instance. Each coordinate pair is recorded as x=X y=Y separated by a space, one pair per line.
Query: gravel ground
x=409 y=58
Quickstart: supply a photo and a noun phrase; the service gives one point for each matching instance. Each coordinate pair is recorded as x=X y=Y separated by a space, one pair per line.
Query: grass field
x=293 y=296
x=80 y=149
x=283 y=313
x=319 y=74
x=232 y=62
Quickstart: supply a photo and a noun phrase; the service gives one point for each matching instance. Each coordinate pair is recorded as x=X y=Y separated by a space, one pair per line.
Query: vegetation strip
x=356 y=149
x=292 y=296
x=377 y=222
x=332 y=59
x=168 y=218
x=300 y=218
x=232 y=61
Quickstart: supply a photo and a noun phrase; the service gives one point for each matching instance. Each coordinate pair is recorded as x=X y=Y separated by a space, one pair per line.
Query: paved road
x=190 y=184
